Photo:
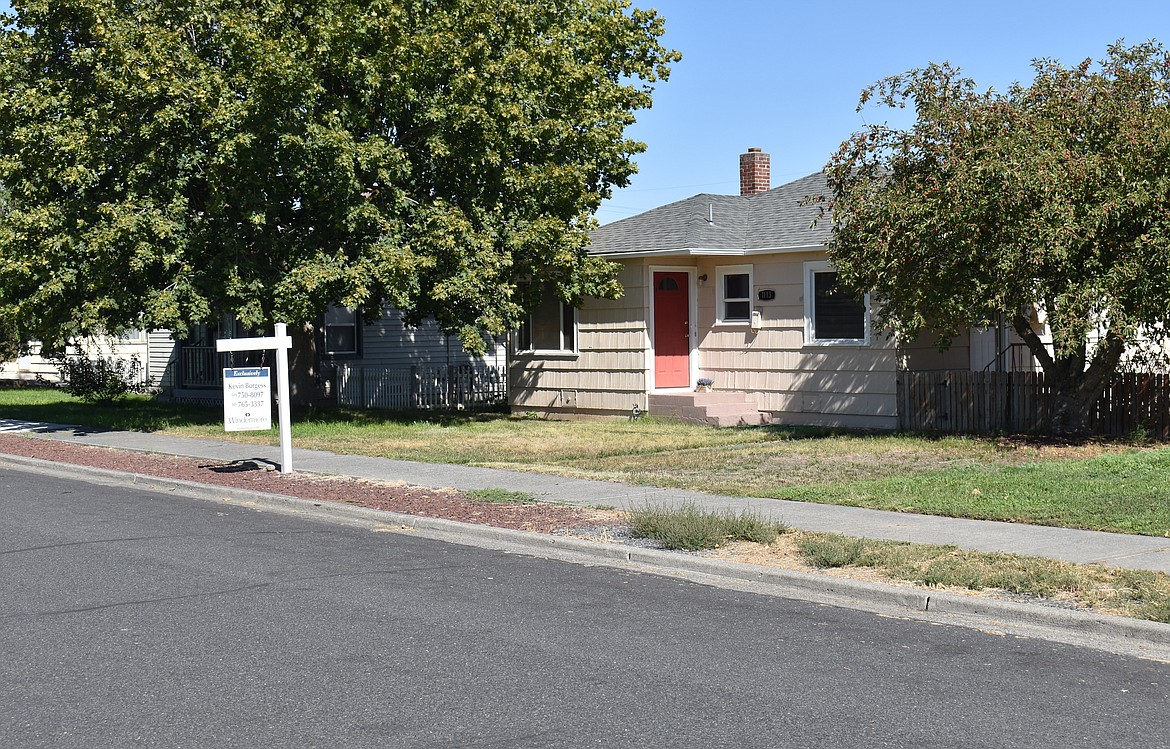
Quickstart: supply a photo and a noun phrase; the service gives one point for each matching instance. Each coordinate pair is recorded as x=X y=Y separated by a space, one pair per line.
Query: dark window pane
x=340 y=339
x=550 y=327
x=546 y=324
x=340 y=316
x=735 y=286
x=837 y=314
x=524 y=337
x=668 y=284
x=568 y=333
x=737 y=310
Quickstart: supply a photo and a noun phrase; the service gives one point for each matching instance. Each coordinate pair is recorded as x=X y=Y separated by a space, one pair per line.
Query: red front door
x=672 y=330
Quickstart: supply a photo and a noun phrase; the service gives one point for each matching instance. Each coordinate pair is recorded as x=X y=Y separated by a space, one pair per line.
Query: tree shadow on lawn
x=135 y=414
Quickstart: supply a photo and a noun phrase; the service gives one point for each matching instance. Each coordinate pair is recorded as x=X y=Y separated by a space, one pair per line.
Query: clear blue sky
x=785 y=76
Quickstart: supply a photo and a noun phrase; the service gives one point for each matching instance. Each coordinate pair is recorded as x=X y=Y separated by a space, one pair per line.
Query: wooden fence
x=985 y=402
x=409 y=388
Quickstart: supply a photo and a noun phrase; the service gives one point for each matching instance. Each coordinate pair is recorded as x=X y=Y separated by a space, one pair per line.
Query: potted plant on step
x=703 y=384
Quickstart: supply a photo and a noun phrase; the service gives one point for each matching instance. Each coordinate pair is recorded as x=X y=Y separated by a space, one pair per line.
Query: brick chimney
x=755 y=172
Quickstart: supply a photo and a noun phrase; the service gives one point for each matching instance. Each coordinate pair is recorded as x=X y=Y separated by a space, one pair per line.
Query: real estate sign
x=281 y=343
x=247 y=399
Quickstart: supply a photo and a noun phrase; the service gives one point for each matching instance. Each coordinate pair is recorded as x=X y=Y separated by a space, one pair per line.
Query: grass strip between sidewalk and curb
x=691 y=528
x=499 y=496
x=1140 y=594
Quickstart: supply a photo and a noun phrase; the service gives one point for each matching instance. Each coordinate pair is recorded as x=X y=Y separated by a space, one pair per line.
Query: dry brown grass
x=1107 y=590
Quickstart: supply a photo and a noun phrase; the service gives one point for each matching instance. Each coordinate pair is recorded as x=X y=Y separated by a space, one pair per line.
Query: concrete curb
x=1111 y=633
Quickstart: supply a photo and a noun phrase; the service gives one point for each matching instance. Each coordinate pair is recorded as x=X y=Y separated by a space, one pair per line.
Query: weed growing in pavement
x=689 y=528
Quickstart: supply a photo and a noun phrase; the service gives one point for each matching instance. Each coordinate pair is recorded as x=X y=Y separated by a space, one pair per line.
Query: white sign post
x=281 y=342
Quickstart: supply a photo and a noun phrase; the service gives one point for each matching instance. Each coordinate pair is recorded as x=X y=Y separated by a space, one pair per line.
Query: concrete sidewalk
x=1083 y=547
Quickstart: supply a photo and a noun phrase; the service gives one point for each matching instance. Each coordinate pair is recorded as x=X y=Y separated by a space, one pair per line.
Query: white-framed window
x=832 y=316
x=733 y=290
x=550 y=329
x=342 y=328
x=131 y=335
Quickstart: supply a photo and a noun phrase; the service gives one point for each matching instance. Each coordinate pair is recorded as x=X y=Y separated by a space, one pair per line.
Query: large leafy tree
x=169 y=161
x=1054 y=194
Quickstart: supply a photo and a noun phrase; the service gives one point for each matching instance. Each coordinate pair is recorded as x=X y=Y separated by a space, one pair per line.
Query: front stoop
x=721 y=409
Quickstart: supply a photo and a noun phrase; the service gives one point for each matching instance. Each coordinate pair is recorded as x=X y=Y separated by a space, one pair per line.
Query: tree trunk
x=1072 y=406
x=302 y=366
x=1075 y=386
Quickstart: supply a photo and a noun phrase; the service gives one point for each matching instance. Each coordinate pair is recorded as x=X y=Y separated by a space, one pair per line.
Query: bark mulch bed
x=411 y=500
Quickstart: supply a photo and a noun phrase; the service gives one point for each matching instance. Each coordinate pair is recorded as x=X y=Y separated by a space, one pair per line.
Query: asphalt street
x=130 y=618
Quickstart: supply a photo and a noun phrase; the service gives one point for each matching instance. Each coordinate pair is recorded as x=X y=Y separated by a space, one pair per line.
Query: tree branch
x=1024 y=330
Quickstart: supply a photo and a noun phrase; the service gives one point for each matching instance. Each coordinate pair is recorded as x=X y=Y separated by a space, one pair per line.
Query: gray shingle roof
x=768 y=220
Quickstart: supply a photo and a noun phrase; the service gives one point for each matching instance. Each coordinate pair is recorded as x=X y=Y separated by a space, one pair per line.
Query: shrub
x=102 y=380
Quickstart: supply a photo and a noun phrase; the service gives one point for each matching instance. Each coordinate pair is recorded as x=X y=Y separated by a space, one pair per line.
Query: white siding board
x=161 y=358
x=837 y=403
x=390 y=343
x=611 y=360
x=612 y=340
x=846 y=382
x=611 y=319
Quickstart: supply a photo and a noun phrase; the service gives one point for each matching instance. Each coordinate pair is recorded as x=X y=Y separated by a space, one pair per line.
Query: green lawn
x=1097 y=485
x=1125 y=492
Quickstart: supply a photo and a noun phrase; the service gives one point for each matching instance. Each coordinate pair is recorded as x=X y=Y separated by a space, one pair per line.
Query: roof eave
x=711 y=252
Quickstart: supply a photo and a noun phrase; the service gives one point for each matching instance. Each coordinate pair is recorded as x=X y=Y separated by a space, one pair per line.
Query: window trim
x=811 y=268
x=357 y=334
x=721 y=272
x=562 y=351
x=130 y=336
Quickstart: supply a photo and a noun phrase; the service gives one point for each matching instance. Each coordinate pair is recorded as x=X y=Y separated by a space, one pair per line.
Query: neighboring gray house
x=386 y=364
x=735 y=289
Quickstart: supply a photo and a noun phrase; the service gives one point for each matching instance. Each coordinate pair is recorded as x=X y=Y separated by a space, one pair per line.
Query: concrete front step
x=702 y=399
x=721 y=409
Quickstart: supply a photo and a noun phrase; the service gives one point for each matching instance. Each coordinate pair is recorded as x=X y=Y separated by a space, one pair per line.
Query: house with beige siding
x=736 y=290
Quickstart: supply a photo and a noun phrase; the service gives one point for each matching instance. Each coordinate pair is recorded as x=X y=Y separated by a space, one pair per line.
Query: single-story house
x=384 y=364
x=151 y=349
x=737 y=290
